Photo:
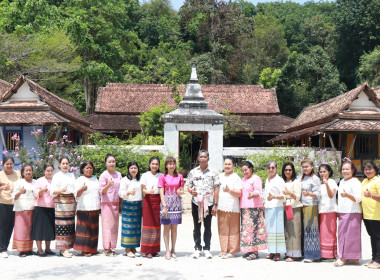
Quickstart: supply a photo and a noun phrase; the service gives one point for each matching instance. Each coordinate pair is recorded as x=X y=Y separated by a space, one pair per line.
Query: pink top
x=112 y=195
x=251 y=185
x=45 y=200
x=170 y=183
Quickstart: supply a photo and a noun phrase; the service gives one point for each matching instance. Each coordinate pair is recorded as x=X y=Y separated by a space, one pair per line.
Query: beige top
x=6 y=195
x=295 y=188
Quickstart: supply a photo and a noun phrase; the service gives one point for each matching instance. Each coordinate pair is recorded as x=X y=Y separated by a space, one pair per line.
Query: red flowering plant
x=47 y=151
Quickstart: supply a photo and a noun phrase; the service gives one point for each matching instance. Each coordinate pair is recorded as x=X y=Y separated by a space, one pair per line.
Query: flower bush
x=47 y=151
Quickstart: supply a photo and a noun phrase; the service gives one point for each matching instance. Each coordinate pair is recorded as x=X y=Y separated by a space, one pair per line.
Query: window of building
x=10 y=141
x=366 y=146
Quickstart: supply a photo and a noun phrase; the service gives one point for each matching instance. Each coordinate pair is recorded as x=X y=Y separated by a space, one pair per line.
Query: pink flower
x=64 y=137
x=62 y=143
x=51 y=156
x=17 y=148
x=15 y=137
x=323 y=151
x=5 y=152
x=73 y=168
x=16 y=154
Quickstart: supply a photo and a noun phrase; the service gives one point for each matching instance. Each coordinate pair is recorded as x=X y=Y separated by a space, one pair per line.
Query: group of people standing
x=294 y=217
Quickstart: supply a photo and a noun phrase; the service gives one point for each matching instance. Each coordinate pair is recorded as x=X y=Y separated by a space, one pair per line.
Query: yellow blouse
x=371 y=208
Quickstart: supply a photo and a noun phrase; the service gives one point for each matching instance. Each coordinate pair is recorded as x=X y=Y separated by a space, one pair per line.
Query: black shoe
x=51 y=253
x=41 y=255
x=22 y=255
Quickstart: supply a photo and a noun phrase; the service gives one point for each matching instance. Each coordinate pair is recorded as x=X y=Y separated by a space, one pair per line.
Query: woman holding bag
x=293 y=206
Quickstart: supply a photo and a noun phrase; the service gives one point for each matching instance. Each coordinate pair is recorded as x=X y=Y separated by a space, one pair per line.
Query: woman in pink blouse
x=252 y=233
x=171 y=188
x=109 y=182
x=43 y=218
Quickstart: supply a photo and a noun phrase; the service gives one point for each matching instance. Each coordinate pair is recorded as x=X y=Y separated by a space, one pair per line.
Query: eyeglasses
x=271 y=168
x=288 y=170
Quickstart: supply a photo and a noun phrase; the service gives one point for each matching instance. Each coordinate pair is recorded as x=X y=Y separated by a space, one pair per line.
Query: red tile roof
x=119 y=123
x=309 y=131
x=353 y=125
x=376 y=89
x=327 y=110
x=136 y=98
x=268 y=125
x=4 y=87
x=30 y=117
x=61 y=109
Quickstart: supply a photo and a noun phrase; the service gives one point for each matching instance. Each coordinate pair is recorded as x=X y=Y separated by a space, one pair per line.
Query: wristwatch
x=216 y=204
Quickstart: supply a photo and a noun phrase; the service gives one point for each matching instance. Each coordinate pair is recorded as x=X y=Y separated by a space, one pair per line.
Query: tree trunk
x=90 y=95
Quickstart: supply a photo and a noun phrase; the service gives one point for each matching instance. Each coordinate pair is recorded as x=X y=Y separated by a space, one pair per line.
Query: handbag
x=289 y=212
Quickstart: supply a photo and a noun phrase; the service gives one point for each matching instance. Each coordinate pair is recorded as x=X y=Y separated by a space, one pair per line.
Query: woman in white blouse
x=88 y=205
x=229 y=210
x=350 y=216
x=274 y=212
x=62 y=189
x=130 y=192
x=23 y=198
x=327 y=208
x=151 y=227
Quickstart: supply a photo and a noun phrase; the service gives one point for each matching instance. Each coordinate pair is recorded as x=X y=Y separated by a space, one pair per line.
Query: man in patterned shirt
x=203 y=183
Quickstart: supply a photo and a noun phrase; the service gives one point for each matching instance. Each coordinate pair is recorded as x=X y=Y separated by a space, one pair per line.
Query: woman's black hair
x=294 y=175
x=23 y=168
x=6 y=158
x=371 y=164
x=84 y=164
x=46 y=165
x=248 y=164
x=107 y=157
x=62 y=158
x=231 y=159
x=327 y=167
x=353 y=167
x=138 y=170
x=152 y=159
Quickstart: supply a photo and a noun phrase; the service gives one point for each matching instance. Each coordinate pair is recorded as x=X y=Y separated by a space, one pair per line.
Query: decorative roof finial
x=193 y=77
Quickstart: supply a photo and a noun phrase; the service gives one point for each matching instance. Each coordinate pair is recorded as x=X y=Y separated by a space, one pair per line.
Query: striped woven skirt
x=349 y=235
x=64 y=221
x=252 y=233
x=274 y=225
x=110 y=224
x=87 y=231
x=151 y=227
x=229 y=232
x=293 y=234
x=22 y=240
x=311 y=242
x=131 y=224
x=327 y=235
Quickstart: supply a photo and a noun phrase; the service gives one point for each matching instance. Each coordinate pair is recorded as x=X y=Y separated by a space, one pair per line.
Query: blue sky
x=178 y=3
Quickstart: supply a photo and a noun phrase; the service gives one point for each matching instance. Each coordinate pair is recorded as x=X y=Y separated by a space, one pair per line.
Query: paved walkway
x=184 y=267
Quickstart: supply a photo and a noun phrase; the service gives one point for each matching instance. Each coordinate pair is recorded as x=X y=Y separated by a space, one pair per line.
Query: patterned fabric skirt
x=293 y=234
x=64 y=221
x=43 y=224
x=23 y=226
x=151 y=227
x=274 y=225
x=327 y=235
x=110 y=224
x=131 y=224
x=311 y=243
x=229 y=232
x=252 y=233
x=349 y=236
x=174 y=205
x=87 y=231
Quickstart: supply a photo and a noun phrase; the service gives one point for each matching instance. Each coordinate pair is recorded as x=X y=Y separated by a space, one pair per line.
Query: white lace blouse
x=346 y=205
x=26 y=200
x=90 y=198
x=327 y=204
x=128 y=185
x=227 y=202
x=61 y=180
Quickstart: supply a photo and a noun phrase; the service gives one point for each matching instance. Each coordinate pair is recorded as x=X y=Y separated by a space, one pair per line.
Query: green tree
x=358 y=29
x=307 y=79
x=269 y=78
x=369 y=70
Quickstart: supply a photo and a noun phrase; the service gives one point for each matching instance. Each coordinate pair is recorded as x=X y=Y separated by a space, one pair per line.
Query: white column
x=215 y=146
x=171 y=139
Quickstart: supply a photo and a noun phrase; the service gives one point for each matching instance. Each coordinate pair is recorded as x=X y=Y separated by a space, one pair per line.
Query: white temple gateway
x=194 y=116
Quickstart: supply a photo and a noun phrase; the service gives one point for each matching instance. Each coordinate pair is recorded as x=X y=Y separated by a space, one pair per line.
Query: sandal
x=50 y=252
x=270 y=256
x=354 y=262
x=374 y=265
x=167 y=256
x=277 y=257
x=156 y=255
x=289 y=259
x=109 y=253
x=149 y=256
x=174 y=256
x=369 y=263
x=339 y=263
x=66 y=254
x=246 y=255
x=86 y=254
x=252 y=256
